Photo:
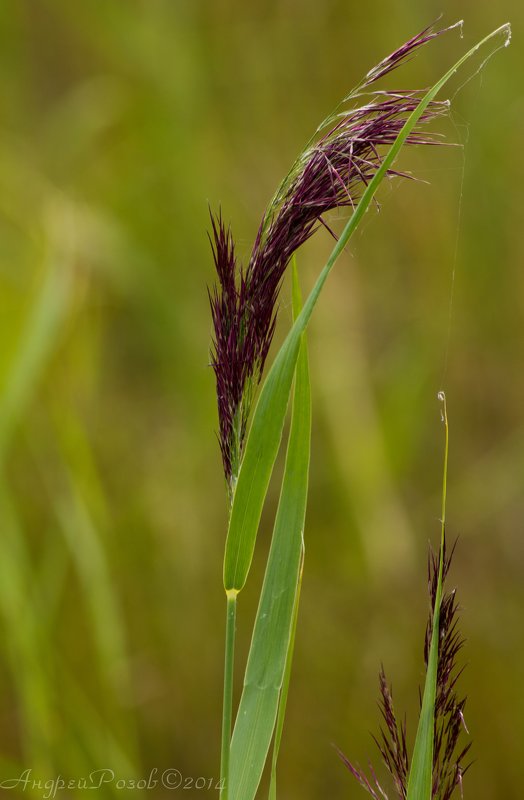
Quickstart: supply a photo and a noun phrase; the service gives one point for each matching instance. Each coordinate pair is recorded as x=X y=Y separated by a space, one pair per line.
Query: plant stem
x=442 y=398
x=227 y=710
x=438 y=598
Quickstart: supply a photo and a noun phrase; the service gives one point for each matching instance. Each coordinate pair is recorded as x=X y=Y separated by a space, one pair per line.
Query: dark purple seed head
x=330 y=173
x=448 y=757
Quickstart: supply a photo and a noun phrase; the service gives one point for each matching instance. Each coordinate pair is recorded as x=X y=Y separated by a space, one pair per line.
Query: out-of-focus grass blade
x=23 y=636
x=92 y=738
x=24 y=641
x=272 y=633
x=36 y=347
x=420 y=780
x=268 y=419
x=90 y=559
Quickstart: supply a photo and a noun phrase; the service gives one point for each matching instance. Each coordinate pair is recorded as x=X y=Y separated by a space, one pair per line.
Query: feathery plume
x=448 y=764
x=330 y=173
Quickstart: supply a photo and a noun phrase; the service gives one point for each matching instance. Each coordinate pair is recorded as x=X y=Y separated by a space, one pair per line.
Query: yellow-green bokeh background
x=119 y=122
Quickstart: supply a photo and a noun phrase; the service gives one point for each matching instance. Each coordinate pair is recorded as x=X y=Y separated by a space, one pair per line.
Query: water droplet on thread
x=442 y=397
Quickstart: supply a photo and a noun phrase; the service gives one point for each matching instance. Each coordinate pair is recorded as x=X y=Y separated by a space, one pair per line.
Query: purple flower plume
x=448 y=764
x=448 y=756
x=331 y=173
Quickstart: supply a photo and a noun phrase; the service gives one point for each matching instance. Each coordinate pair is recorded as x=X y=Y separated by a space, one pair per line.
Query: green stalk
x=442 y=398
x=227 y=708
x=420 y=779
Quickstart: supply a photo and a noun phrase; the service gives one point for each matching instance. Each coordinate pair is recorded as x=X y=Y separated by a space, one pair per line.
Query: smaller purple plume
x=448 y=757
x=392 y=746
x=331 y=173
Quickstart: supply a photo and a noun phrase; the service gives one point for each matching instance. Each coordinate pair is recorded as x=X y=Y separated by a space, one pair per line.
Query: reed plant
x=341 y=166
x=441 y=719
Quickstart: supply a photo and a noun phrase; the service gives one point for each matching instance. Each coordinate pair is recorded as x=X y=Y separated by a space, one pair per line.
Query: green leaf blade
x=285 y=688
x=257 y=465
x=420 y=781
x=274 y=623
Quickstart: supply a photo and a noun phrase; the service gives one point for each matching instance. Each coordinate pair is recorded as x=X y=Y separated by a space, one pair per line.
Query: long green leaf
x=274 y=621
x=420 y=779
x=282 y=703
x=268 y=419
x=285 y=687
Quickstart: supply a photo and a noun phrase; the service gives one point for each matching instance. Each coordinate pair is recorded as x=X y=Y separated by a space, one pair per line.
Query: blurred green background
x=120 y=121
